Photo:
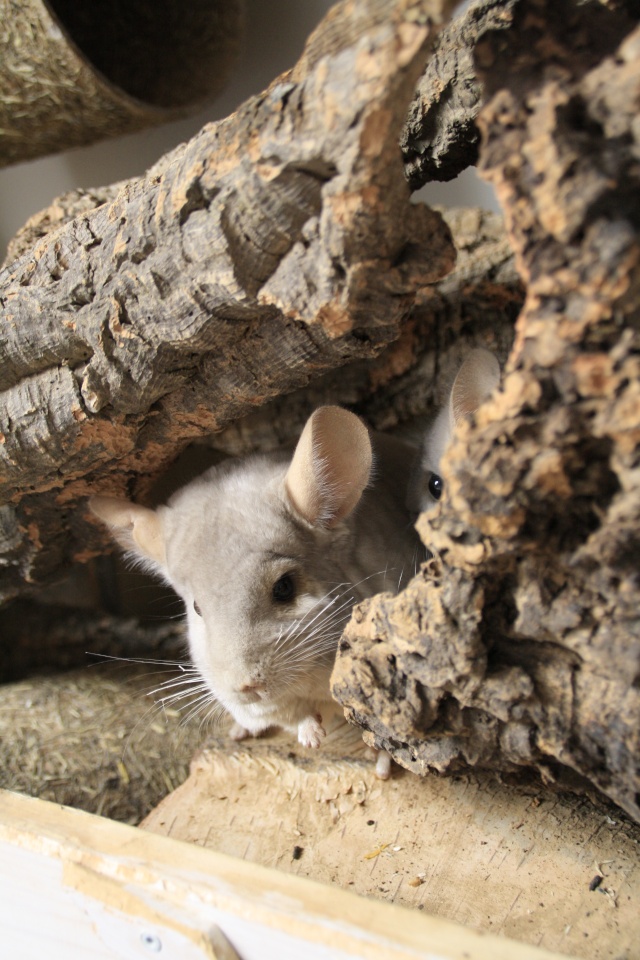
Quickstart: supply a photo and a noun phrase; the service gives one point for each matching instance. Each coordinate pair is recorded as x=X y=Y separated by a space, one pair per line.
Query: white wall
x=276 y=32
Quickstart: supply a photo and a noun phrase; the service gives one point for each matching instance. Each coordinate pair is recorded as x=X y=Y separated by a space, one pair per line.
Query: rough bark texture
x=440 y=138
x=62 y=210
x=519 y=643
x=274 y=246
x=280 y=245
x=476 y=304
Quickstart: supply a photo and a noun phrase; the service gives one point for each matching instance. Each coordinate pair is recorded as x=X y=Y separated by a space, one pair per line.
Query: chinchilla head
x=476 y=378
x=262 y=553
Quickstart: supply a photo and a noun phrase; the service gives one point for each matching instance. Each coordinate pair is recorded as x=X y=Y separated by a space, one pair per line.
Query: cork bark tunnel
x=221 y=295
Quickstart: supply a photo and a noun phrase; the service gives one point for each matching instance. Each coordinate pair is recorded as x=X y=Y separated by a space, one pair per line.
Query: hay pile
x=94 y=739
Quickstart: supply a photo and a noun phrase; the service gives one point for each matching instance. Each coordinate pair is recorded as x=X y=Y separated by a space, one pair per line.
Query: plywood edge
x=178 y=880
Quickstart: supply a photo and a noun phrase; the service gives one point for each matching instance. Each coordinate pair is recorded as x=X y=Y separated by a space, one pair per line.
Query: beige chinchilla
x=269 y=554
x=476 y=378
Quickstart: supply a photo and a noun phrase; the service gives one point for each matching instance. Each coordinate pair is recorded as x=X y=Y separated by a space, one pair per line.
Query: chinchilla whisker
x=377 y=573
x=416 y=561
x=172 y=680
x=301 y=674
x=315 y=642
x=330 y=609
x=328 y=594
x=328 y=635
x=181 y=680
x=180 y=702
x=245 y=515
x=311 y=651
x=285 y=679
x=307 y=640
x=180 y=664
x=174 y=683
x=202 y=712
x=304 y=655
x=212 y=715
x=167 y=601
x=292 y=627
x=340 y=615
x=184 y=683
x=197 y=705
x=184 y=676
x=307 y=623
x=302 y=644
x=157 y=707
x=161 y=617
x=177 y=695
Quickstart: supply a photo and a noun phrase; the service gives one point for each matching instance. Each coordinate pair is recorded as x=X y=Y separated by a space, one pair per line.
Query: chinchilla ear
x=135 y=528
x=330 y=468
x=475 y=380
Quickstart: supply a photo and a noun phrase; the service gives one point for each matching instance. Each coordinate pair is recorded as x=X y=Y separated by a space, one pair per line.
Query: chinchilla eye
x=435 y=486
x=284 y=589
x=197 y=608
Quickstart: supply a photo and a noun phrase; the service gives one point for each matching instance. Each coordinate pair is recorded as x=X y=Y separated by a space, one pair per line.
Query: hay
x=93 y=739
x=74 y=73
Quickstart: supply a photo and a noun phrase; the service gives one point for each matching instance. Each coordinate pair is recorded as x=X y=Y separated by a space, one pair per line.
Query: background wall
x=275 y=35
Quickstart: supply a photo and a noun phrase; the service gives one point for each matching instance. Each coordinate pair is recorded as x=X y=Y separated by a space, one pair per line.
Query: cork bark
x=518 y=644
x=440 y=138
x=276 y=245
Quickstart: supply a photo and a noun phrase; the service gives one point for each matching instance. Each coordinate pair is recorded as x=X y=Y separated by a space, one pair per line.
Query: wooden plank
x=520 y=862
x=76 y=885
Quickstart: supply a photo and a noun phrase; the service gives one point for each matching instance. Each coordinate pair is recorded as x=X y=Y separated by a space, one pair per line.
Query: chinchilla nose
x=255 y=687
x=251 y=692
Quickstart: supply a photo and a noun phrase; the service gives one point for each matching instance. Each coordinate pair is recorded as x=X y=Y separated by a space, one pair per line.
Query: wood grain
x=507 y=860
x=101 y=889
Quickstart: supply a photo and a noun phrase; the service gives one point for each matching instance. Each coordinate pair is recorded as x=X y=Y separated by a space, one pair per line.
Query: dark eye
x=435 y=486
x=197 y=608
x=284 y=589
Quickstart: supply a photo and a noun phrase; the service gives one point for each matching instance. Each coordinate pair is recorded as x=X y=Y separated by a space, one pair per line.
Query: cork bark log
x=276 y=245
x=518 y=645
